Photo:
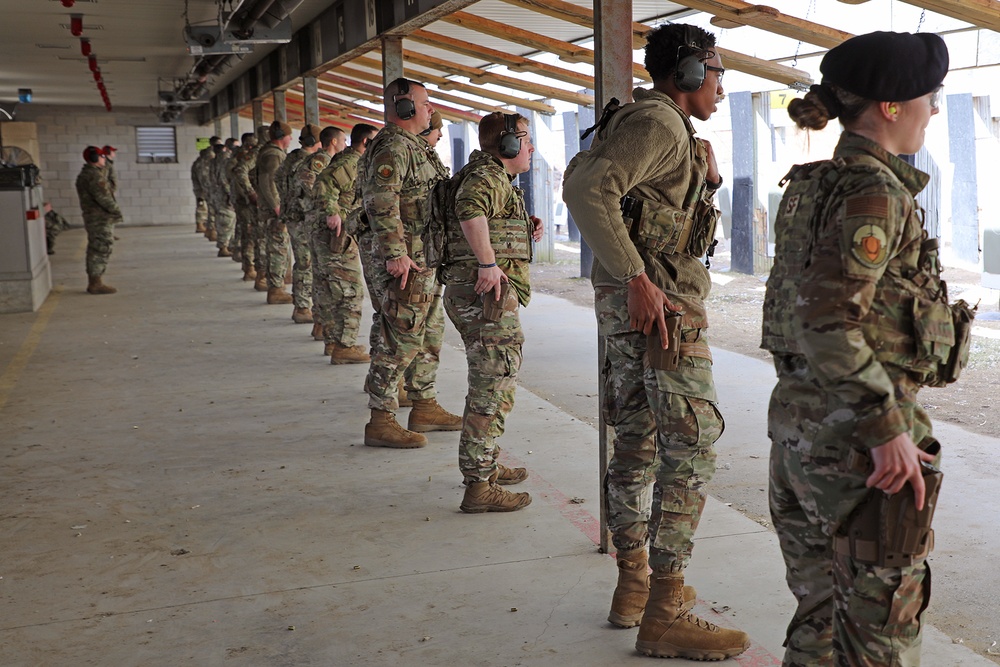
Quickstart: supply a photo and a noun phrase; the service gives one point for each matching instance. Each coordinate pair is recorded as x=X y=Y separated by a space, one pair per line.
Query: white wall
x=149 y=194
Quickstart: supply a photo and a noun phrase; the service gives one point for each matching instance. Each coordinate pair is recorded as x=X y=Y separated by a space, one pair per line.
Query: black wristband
x=712 y=187
x=487 y=266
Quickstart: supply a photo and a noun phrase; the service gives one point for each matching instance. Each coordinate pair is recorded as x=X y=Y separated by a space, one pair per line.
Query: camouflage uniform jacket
x=269 y=160
x=196 y=185
x=202 y=169
x=871 y=282
x=302 y=181
x=237 y=170
x=54 y=222
x=285 y=180
x=109 y=166
x=648 y=151
x=220 y=180
x=96 y=201
x=395 y=185
x=334 y=192
x=485 y=189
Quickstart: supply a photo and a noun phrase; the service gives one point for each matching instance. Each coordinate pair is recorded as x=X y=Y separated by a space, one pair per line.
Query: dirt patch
x=735 y=315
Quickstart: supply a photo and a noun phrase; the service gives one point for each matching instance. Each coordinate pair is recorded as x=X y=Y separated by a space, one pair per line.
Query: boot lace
x=688 y=616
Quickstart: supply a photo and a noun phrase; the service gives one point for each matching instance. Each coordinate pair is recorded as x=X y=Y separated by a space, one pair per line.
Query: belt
x=631 y=207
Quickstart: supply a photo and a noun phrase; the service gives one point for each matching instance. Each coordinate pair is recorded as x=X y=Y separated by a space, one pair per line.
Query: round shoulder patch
x=869 y=246
x=385 y=171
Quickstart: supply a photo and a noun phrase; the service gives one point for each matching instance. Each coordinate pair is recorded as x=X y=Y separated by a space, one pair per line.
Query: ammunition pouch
x=416 y=288
x=494 y=309
x=662 y=228
x=887 y=530
x=962 y=315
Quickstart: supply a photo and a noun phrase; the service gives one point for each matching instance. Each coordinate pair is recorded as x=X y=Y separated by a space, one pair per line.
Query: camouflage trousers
x=246 y=228
x=100 y=241
x=337 y=290
x=302 y=270
x=849 y=613
x=201 y=212
x=493 y=352
x=260 y=236
x=225 y=223
x=371 y=263
x=277 y=251
x=211 y=219
x=666 y=425
x=412 y=333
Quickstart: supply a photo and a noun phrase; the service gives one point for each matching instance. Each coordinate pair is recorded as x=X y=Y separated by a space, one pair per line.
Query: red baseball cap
x=91 y=153
x=108 y=149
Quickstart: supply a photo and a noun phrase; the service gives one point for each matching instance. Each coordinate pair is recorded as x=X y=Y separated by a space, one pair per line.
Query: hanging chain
x=920 y=23
x=798 y=46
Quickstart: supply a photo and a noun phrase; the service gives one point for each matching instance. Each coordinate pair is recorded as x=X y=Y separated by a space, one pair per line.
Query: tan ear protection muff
x=510 y=143
x=691 y=70
x=276 y=131
x=405 y=108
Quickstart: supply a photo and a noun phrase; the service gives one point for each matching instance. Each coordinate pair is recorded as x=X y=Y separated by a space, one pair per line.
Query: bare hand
x=538 y=230
x=333 y=223
x=646 y=303
x=277 y=209
x=896 y=463
x=490 y=280
x=400 y=268
x=713 y=166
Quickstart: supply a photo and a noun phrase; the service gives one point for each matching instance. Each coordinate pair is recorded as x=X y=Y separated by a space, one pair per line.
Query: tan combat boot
x=212 y=235
x=96 y=286
x=260 y=282
x=328 y=349
x=224 y=252
x=317 y=332
x=383 y=431
x=488 y=497
x=199 y=228
x=629 y=600
x=278 y=295
x=341 y=354
x=302 y=316
x=427 y=415
x=249 y=274
x=507 y=476
x=670 y=629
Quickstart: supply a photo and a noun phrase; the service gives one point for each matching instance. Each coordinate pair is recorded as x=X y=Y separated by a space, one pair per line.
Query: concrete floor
x=184 y=483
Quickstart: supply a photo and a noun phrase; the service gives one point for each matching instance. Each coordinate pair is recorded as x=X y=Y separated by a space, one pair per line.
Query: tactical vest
x=910 y=323
x=510 y=237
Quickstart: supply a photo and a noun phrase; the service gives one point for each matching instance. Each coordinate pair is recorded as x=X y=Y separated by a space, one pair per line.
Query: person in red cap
x=100 y=214
x=109 y=166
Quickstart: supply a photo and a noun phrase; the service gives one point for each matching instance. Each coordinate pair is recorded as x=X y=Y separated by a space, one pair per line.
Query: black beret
x=887 y=66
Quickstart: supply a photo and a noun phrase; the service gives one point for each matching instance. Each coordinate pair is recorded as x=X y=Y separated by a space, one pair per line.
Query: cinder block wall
x=149 y=194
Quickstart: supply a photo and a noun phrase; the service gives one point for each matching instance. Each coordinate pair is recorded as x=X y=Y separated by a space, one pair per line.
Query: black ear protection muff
x=307 y=139
x=691 y=68
x=510 y=143
x=405 y=108
x=276 y=131
x=92 y=154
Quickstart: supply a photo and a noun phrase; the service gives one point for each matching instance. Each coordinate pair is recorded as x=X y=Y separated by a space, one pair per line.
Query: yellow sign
x=201 y=143
x=781 y=98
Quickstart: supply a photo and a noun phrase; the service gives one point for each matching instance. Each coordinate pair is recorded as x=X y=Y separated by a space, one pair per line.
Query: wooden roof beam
x=765 y=69
x=737 y=12
x=983 y=13
x=435 y=94
x=477 y=75
x=517 y=63
x=448 y=84
x=451 y=113
x=566 y=51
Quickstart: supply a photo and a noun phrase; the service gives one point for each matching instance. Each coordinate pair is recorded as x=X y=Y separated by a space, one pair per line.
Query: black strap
x=609 y=110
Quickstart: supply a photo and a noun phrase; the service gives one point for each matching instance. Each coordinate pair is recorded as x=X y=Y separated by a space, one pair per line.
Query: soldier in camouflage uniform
x=486 y=274
x=241 y=202
x=204 y=175
x=337 y=288
x=642 y=198
x=293 y=217
x=200 y=194
x=395 y=184
x=54 y=224
x=258 y=238
x=222 y=196
x=856 y=317
x=100 y=214
x=269 y=161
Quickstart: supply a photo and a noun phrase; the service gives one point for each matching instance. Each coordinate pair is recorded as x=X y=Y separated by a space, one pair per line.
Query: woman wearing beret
x=856 y=318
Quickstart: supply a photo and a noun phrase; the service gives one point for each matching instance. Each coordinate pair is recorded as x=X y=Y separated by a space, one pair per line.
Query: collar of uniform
x=489 y=160
x=855 y=144
x=392 y=128
x=642 y=94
